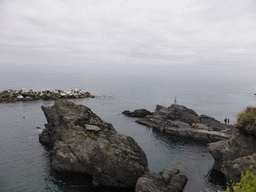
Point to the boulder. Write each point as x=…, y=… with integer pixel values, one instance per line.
x=168, y=180
x=92, y=128
x=20, y=97
x=137, y=113
x=82, y=142
x=214, y=124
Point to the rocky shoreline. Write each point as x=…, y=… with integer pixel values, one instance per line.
x=29, y=95
x=233, y=149
x=176, y=120
x=80, y=141
x=235, y=155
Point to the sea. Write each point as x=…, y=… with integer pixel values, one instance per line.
x=25, y=163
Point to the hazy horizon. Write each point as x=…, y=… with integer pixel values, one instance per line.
x=135, y=37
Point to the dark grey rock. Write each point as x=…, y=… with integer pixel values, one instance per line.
x=168, y=180
x=234, y=155
x=176, y=112
x=214, y=124
x=112, y=159
x=233, y=169
x=215, y=150
x=137, y=113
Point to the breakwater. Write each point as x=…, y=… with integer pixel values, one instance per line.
x=29, y=95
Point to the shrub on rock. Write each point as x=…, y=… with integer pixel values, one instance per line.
x=246, y=122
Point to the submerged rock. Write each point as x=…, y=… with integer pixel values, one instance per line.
x=82, y=142
x=168, y=180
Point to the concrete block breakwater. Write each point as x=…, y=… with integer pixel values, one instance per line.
x=29, y=95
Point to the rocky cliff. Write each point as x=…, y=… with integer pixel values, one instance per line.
x=235, y=155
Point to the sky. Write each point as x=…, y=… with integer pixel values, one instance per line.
x=197, y=36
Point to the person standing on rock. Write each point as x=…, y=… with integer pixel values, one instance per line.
x=175, y=101
x=208, y=126
x=225, y=120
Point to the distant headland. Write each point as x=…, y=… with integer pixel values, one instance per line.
x=29, y=95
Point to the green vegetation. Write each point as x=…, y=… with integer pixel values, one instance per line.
x=247, y=183
x=90, y=134
x=111, y=146
x=246, y=122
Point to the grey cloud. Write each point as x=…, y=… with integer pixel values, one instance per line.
x=122, y=33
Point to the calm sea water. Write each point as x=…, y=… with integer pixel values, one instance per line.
x=24, y=162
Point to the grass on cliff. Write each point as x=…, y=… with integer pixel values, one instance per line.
x=246, y=122
x=247, y=183
x=90, y=134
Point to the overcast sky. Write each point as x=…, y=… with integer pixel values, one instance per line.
x=130, y=35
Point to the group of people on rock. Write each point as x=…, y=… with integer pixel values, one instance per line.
x=226, y=120
x=193, y=125
x=165, y=124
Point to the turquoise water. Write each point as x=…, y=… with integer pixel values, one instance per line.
x=24, y=162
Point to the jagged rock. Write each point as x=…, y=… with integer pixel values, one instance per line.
x=168, y=180
x=112, y=159
x=137, y=113
x=214, y=124
x=176, y=112
x=231, y=156
x=233, y=169
x=215, y=150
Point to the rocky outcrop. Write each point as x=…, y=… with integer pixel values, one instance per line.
x=82, y=142
x=233, y=169
x=175, y=112
x=214, y=124
x=234, y=155
x=137, y=113
x=29, y=95
x=168, y=180
x=175, y=120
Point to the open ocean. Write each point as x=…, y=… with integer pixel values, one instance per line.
x=24, y=162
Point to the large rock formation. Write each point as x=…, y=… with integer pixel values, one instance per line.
x=82, y=142
x=175, y=112
x=234, y=155
x=175, y=120
x=168, y=180
x=137, y=113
